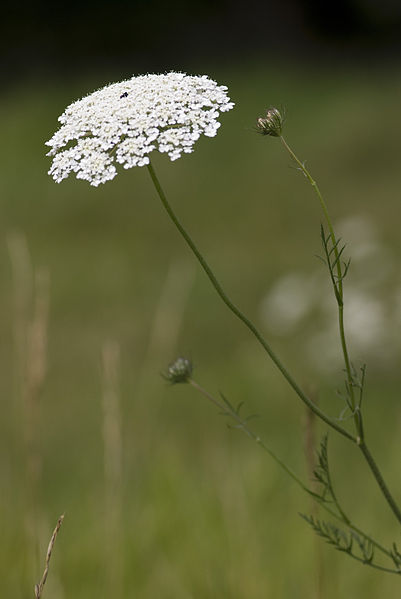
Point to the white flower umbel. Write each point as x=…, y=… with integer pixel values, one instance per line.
x=124, y=122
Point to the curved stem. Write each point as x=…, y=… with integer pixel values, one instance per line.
x=226, y=409
x=339, y=285
x=243, y=426
x=380, y=481
x=233, y=308
x=311, y=405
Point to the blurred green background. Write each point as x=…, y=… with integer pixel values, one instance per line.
x=198, y=511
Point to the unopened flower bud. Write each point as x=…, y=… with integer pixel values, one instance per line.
x=179, y=371
x=271, y=124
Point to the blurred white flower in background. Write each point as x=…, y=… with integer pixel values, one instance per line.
x=123, y=122
x=368, y=329
x=288, y=302
x=372, y=262
x=304, y=302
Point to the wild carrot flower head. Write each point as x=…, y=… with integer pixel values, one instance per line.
x=123, y=122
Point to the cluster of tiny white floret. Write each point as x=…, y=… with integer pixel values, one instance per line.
x=124, y=122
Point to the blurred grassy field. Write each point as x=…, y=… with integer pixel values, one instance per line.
x=204, y=513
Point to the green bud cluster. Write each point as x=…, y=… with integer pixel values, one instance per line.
x=179, y=371
x=271, y=124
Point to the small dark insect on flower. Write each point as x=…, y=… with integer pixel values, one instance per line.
x=124, y=95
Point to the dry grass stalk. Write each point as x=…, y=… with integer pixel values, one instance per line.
x=41, y=584
x=112, y=441
x=165, y=327
x=21, y=269
x=36, y=365
x=31, y=308
x=111, y=414
x=169, y=311
x=310, y=444
x=310, y=454
x=35, y=373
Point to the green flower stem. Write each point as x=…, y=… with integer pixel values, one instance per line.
x=339, y=296
x=226, y=409
x=357, y=418
x=379, y=478
x=311, y=405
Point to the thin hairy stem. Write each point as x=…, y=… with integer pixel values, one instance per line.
x=333, y=494
x=350, y=378
x=339, y=282
x=331, y=422
x=226, y=409
x=375, y=566
x=379, y=479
